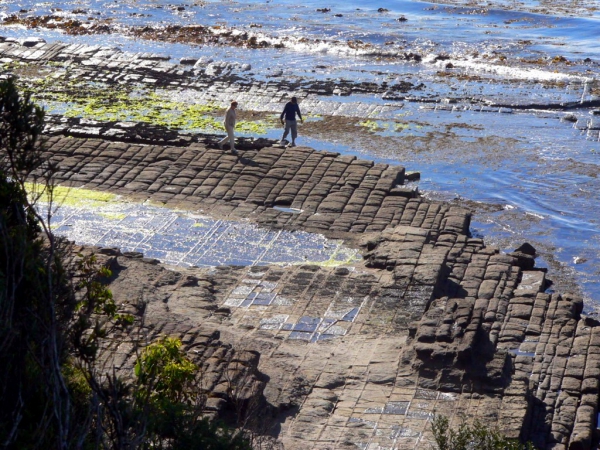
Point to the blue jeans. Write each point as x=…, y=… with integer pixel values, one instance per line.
x=293, y=126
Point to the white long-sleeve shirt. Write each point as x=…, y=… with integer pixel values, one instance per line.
x=230, y=118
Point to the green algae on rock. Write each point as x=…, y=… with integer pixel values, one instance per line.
x=371, y=125
x=342, y=256
x=130, y=103
x=74, y=197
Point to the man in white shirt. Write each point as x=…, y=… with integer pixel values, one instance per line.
x=229, y=124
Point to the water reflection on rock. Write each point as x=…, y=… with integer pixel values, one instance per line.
x=185, y=238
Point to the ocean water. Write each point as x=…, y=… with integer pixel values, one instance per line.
x=507, y=121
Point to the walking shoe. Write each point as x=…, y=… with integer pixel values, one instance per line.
x=234, y=151
x=220, y=146
x=292, y=144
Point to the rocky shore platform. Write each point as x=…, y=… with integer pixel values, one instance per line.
x=432, y=321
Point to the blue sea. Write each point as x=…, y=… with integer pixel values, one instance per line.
x=513, y=131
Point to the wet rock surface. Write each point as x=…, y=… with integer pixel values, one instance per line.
x=220, y=81
x=433, y=322
x=334, y=194
x=111, y=65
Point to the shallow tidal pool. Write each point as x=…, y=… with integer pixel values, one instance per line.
x=184, y=238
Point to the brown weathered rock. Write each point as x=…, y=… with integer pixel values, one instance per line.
x=433, y=321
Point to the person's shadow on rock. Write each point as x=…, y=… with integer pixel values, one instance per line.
x=246, y=161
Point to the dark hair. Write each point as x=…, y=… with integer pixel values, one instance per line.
x=294, y=100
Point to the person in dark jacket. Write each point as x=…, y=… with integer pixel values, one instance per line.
x=289, y=112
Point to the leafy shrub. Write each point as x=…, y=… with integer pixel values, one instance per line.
x=52, y=395
x=472, y=437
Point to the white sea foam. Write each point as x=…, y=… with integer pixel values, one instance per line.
x=424, y=48
x=538, y=216
x=511, y=72
x=312, y=45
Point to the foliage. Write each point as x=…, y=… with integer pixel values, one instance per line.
x=54, y=318
x=33, y=293
x=169, y=389
x=472, y=437
x=165, y=372
x=94, y=309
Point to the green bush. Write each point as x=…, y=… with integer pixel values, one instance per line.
x=472, y=437
x=167, y=385
x=52, y=327
x=34, y=294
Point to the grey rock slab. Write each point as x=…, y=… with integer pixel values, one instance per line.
x=532, y=282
